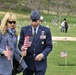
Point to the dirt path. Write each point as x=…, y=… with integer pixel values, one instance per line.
x=64, y=38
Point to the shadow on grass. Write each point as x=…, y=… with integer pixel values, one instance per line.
x=67, y=64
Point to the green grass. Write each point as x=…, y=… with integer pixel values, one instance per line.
x=56, y=63
x=49, y=17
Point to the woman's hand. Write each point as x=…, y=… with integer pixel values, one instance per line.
x=5, y=53
x=8, y=54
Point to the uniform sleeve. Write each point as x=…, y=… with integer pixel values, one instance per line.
x=48, y=45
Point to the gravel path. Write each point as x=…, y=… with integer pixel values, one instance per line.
x=64, y=38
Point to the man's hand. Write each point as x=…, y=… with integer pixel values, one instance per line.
x=27, y=44
x=24, y=48
x=23, y=53
x=39, y=57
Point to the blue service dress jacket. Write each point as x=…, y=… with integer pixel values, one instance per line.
x=6, y=66
x=42, y=43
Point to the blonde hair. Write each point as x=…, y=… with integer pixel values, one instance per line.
x=6, y=18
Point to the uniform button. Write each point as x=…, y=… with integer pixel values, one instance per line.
x=34, y=48
x=34, y=43
x=34, y=54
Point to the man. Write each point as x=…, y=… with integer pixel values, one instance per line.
x=37, y=52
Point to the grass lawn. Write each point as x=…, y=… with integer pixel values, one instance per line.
x=56, y=64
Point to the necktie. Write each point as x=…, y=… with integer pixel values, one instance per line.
x=34, y=31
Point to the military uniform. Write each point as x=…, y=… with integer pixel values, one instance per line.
x=41, y=44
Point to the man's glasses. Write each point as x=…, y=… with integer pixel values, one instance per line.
x=14, y=22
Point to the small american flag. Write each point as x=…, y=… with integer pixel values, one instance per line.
x=64, y=54
x=26, y=39
x=27, y=43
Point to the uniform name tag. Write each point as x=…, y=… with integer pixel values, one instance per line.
x=42, y=36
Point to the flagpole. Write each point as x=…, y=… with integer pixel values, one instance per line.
x=12, y=63
x=21, y=59
x=66, y=61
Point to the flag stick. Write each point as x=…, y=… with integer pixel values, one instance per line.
x=12, y=63
x=21, y=59
x=65, y=60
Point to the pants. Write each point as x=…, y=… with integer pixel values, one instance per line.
x=66, y=29
x=30, y=72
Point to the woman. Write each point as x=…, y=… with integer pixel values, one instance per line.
x=8, y=36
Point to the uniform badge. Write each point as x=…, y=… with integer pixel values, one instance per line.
x=42, y=36
x=42, y=42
